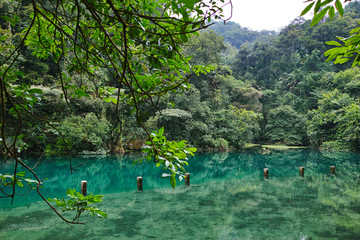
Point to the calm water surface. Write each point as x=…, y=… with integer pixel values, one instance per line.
x=228, y=199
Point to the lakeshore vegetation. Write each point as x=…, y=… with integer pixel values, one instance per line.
x=171, y=77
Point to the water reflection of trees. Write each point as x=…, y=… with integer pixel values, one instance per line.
x=228, y=196
x=117, y=173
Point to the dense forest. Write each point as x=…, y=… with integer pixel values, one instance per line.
x=263, y=87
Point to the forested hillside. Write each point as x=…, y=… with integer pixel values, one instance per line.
x=264, y=87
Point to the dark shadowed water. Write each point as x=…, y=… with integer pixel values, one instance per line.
x=228, y=199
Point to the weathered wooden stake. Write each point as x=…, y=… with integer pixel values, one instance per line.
x=187, y=179
x=83, y=187
x=301, y=171
x=266, y=173
x=139, y=184
x=332, y=169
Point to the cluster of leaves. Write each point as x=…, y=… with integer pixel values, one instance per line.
x=170, y=155
x=80, y=204
x=321, y=8
x=27, y=96
x=348, y=49
x=10, y=180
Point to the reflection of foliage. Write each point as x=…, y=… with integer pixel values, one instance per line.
x=80, y=204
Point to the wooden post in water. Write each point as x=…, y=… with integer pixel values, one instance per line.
x=332, y=169
x=266, y=173
x=139, y=184
x=301, y=171
x=187, y=179
x=83, y=187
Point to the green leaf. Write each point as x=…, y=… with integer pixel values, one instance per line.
x=70, y=192
x=333, y=43
x=355, y=30
x=8, y=19
x=307, y=9
x=110, y=99
x=326, y=2
x=35, y=91
x=184, y=37
x=189, y=3
x=317, y=7
x=30, y=180
x=20, y=174
x=80, y=93
x=191, y=149
x=339, y=7
x=354, y=64
x=19, y=73
x=15, y=19
x=332, y=53
x=341, y=60
x=161, y=131
x=319, y=16
x=173, y=180
x=180, y=155
x=20, y=184
x=3, y=38
x=332, y=12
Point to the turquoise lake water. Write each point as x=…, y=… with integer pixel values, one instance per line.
x=228, y=198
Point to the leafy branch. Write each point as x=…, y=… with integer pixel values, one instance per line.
x=80, y=204
x=170, y=155
x=349, y=48
x=10, y=180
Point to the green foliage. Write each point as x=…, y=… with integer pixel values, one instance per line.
x=321, y=8
x=337, y=146
x=343, y=78
x=27, y=95
x=175, y=121
x=259, y=60
x=238, y=126
x=285, y=126
x=141, y=70
x=87, y=132
x=349, y=124
x=221, y=144
x=207, y=46
x=325, y=121
x=170, y=155
x=236, y=35
x=9, y=180
x=346, y=51
x=80, y=204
